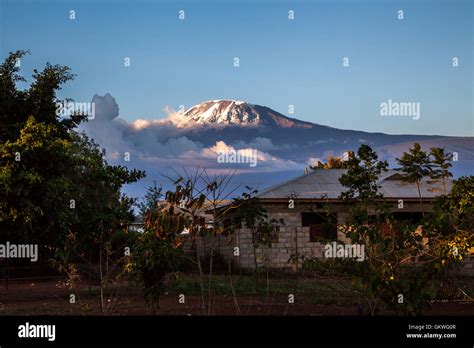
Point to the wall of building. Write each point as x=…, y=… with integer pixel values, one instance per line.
x=294, y=239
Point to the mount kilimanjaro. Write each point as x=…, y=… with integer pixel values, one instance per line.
x=239, y=122
x=235, y=112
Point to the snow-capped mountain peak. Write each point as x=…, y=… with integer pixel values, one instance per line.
x=223, y=112
x=236, y=112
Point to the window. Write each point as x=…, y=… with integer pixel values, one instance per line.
x=322, y=232
x=228, y=226
x=402, y=219
x=322, y=226
x=408, y=217
x=387, y=230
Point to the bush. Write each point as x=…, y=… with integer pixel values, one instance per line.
x=152, y=259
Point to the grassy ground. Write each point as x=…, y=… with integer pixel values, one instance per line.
x=313, y=294
x=338, y=291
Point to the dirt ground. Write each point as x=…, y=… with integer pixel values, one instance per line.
x=48, y=298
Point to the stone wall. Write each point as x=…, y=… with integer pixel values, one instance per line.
x=293, y=240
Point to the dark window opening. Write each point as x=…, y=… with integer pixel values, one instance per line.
x=401, y=220
x=388, y=230
x=322, y=226
x=228, y=226
x=408, y=217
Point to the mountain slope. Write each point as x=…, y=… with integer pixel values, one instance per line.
x=243, y=124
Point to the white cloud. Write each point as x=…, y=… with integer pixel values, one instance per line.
x=312, y=161
x=159, y=145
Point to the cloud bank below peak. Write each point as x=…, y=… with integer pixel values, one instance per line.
x=165, y=143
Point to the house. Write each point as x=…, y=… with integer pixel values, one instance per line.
x=311, y=210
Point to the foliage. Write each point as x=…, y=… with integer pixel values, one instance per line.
x=440, y=165
x=397, y=270
x=402, y=270
x=152, y=259
x=39, y=100
x=455, y=211
x=158, y=250
x=53, y=180
x=250, y=212
x=56, y=189
x=249, y=209
x=415, y=165
x=34, y=203
x=363, y=171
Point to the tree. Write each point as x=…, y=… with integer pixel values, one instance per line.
x=54, y=182
x=402, y=270
x=454, y=212
x=33, y=195
x=250, y=212
x=415, y=165
x=199, y=194
x=158, y=250
x=39, y=100
x=217, y=192
x=440, y=165
x=452, y=226
x=362, y=174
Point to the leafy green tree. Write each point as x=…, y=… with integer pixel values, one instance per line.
x=362, y=174
x=33, y=196
x=38, y=100
x=53, y=181
x=157, y=251
x=97, y=193
x=415, y=165
x=451, y=229
x=441, y=164
x=454, y=211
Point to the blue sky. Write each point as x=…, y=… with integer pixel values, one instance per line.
x=282, y=62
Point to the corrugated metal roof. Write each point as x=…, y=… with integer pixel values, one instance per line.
x=324, y=183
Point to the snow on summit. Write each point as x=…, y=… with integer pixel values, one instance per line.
x=224, y=112
x=237, y=112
